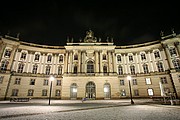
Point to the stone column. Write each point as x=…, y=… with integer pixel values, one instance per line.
x=66, y=62
x=83, y=61
x=13, y=53
x=79, y=61
x=97, y=61
x=70, y=61
x=100, y=62
x=109, y=61
x=2, y=48
x=114, y=62
x=168, y=56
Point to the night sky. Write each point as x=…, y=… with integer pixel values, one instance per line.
x=51, y=22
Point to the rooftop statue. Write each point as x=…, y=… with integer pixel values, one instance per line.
x=90, y=37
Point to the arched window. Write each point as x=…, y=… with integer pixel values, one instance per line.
x=61, y=58
x=104, y=69
x=104, y=56
x=4, y=65
x=23, y=55
x=75, y=57
x=36, y=57
x=160, y=67
x=75, y=69
x=20, y=68
x=60, y=70
x=118, y=58
x=132, y=69
x=7, y=53
x=90, y=67
x=48, y=68
x=156, y=54
x=145, y=67
x=49, y=57
x=120, y=70
x=34, y=71
x=176, y=64
x=143, y=56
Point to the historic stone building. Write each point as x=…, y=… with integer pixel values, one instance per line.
x=89, y=68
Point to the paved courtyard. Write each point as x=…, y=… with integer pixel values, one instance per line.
x=38, y=109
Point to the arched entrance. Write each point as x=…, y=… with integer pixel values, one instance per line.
x=107, y=91
x=73, y=91
x=90, y=90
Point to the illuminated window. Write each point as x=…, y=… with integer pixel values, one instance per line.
x=123, y=92
x=150, y=91
x=148, y=81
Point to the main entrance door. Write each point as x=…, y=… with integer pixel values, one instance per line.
x=90, y=90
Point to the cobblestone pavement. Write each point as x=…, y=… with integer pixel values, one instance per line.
x=39, y=109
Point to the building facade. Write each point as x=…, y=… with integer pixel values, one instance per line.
x=90, y=68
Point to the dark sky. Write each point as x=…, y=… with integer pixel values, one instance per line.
x=51, y=22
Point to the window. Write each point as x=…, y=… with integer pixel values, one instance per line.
x=30, y=92
x=4, y=65
x=48, y=68
x=136, y=92
x=121, y=82
x=104, y=57
x=132, y=69
x=145, y=67
x=156, y=54
x=34, y=71
x=150, y=91
x=20, y=68
x=49, y=57
x=75, y=57
x=123, y=92
x=32, y=82
x=58, y=93
x=23, y=55
x=163, y=80
x=120, y=70
x=44, y=92
x=17, y=81
x=7, y=53
x=176, y=64
x=15, y=92
x=160, y=67
x=37, y=56
x=148, y=81
x=60, y=70
x=46, y=81
x=58, y=83
x=90, y=67
x=166, y=90
x=134, y=81
x=131, y=58
x=75, y=69
x=118, y=58
x=104, y=69
x=61, y=58
x=1, y=79
x=172, y=51
x=143, y=56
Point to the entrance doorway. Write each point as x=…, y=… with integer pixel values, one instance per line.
x=73, y=91
x=90, y=90
x=107, y=91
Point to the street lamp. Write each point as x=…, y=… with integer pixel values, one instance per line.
x=51, y=79
x=129, y=79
